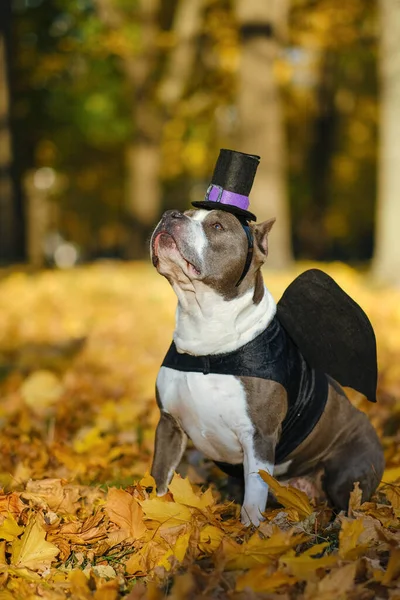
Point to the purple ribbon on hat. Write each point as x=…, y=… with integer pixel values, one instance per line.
x=215, y=193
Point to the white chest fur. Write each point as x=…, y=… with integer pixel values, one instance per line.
x=211, y=409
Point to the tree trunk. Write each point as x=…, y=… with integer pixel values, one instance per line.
x=262, y=27
x=142, y=189
x=386, y=264
x=186, y=28
x=11, y=213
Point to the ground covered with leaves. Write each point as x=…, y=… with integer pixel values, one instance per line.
x=79, y=518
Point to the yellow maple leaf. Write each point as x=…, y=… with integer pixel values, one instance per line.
x=32, y=550
x=10, y=529
x=392, y=493
x=304, y=566
x=258, y=580
x=349, y=546
x=391, y=475
x=183, y=493
x=171, y=513
x=289, y=496
x=148, y=481
x=258, y=551
x=210, y=538
x=178, y=552
x=123, y=510
x=79, y=584
x=148, y=557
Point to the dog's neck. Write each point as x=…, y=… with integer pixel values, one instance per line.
x=208, y=324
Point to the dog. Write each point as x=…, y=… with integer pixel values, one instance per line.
x=237, y=421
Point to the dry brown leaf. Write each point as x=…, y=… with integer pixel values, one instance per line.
x=355, y=499
x=11, y=504
x=123, y=510
x=58, y=495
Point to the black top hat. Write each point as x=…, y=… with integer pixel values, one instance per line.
x=231, y=183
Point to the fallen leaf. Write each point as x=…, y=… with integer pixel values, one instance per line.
x=10, y=529
x=210, y=538
x=304, y=567
x=11, y=503
x=32, y=550
x=183, y=493
x=392, y=493
x=170, y=513
x=355, y=499
x=257, y=550
x=177, y=552
x=349, y=547
x=391, y=475
x=123, y=510
x=257, y=580
x=393, y=568
x=339, y=581
x=79, y=584
x=288, y=496
x=58, y=496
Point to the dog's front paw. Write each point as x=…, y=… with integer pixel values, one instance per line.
x=250, y=515
x=162, y=490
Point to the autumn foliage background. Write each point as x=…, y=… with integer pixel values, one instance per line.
x=105, y=123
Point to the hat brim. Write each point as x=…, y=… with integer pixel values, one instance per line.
x=231, y=208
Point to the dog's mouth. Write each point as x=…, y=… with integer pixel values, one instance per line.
x=168, y=241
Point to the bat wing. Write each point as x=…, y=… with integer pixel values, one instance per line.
x=331, y=331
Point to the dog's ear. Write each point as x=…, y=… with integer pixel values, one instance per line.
x=261, y=231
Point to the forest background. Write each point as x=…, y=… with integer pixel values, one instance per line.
x=114, y=111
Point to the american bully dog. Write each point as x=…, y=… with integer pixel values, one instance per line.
x=236, y=383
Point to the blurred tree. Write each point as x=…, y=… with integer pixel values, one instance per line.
x=387, y=256
x=12, y=234
x=140, y=65
x=263, y=28
x=330, y=83
x=95, y=79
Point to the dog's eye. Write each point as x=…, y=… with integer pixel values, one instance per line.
x=218, y=226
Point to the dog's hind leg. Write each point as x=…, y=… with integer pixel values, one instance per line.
x=361, y=460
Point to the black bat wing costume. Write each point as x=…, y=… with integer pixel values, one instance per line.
x=318, y=332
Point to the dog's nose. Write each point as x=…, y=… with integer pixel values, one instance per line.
x=173, y=214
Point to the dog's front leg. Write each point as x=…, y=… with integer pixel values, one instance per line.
x=258, y=454
x=169, y=446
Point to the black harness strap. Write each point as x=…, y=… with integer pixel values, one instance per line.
x=271, y=356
